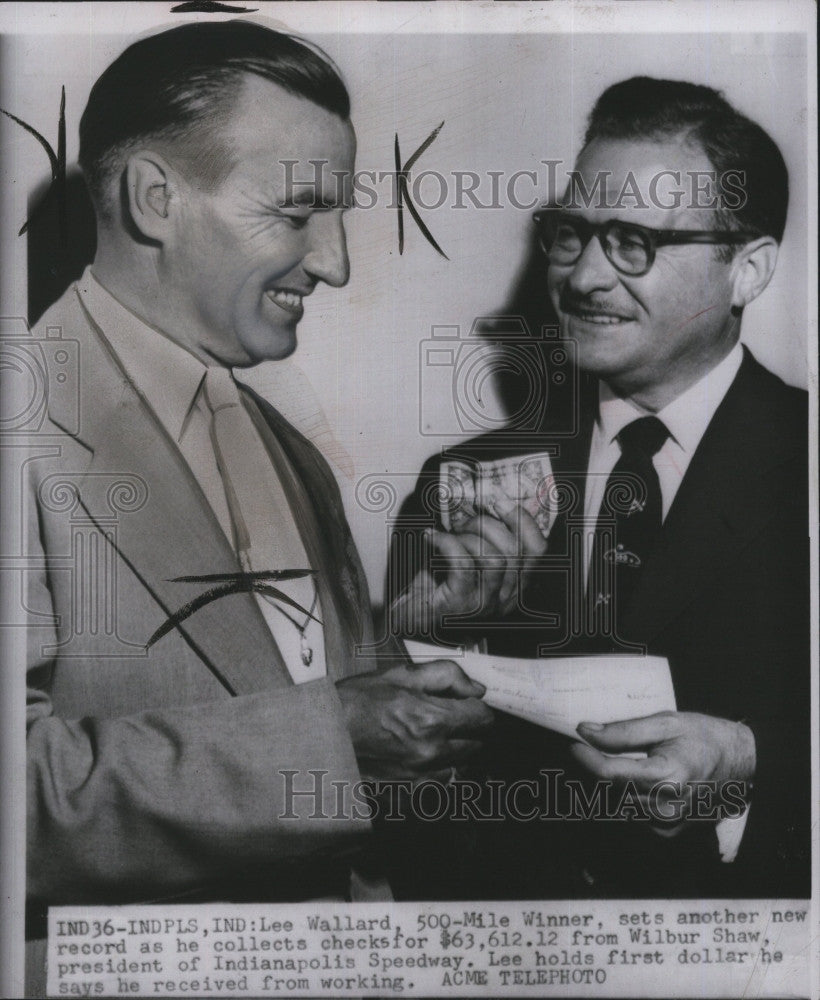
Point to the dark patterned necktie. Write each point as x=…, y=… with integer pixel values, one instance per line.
x=627, y=527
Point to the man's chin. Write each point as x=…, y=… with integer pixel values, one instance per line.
x=270, y=345
x=266, y=358
x=601, y=348
x=608, y=365
x=282, y=355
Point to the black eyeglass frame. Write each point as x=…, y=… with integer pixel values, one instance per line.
x=651, y=238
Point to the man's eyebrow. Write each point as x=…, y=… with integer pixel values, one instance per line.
x=303, y=197
x=310, y=199
x=307, y=196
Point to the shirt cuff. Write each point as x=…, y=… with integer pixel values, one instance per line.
x=729, y=834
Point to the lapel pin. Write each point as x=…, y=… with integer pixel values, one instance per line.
x=622, y=557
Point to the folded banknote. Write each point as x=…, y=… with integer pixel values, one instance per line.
x=468, y=489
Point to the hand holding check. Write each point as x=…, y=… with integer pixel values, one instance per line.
x=682, y=748
x=413, y=722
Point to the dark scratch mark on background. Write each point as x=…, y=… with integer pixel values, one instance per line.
x=210, y=7
x=57, y=163
x=403, y=191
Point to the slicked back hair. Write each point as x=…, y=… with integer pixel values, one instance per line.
x=646, y=108
x=180, y=86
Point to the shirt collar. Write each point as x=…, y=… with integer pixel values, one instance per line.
x=165, y=373
x=686, y=417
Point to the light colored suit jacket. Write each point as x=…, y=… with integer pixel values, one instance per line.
x=155, y=774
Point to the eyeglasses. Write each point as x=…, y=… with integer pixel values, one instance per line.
x=628, y=247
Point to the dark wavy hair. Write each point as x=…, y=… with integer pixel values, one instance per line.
x=645, y=108
x=180, y=87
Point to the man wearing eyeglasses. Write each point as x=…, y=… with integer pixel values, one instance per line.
x=688, y=539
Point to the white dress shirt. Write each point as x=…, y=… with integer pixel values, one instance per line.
x=171, y=382
x=686, y=418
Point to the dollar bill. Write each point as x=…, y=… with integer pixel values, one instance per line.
x=525, y=479
x=466, y=490
x=457, y=493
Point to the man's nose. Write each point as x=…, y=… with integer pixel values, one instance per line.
x=327, y=258
x=592, y=271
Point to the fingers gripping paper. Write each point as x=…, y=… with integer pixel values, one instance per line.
x=560, y=692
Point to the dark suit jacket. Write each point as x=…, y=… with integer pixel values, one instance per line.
x=725, y=597
x=154, y=773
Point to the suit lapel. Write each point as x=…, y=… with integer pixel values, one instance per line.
x=569, y=467
x=164, y=526
x=312, y=496
x=728, y=495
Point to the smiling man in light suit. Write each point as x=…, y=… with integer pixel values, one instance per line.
x=163, y=738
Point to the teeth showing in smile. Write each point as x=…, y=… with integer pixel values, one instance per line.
x=287, y=300
x=600, y=319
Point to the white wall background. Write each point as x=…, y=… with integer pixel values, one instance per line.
x=508, y=99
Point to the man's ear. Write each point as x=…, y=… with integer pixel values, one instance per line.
x=150, y=193
x=753, y=266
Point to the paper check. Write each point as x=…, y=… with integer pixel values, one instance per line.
x=560, y=692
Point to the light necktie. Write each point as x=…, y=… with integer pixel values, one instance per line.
x=265, y=534
x=625, y=536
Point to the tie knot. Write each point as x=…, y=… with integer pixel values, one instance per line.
x=646, y=434
x=220, y=389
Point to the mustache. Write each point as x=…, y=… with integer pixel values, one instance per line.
x=572, y=303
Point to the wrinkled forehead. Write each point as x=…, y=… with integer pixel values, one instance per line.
x=653, y=182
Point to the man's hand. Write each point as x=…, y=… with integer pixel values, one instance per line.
x=484, y=561
x=412, y=722
x=681, y=747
